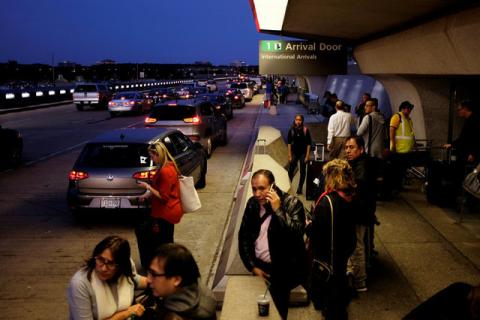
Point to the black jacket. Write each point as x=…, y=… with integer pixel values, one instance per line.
x=285, y=238
x=344, y=239
x=468, y=143
x=365, y=197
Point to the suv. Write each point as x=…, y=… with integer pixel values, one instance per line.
x=244, y=87
x=91, y=94
x=105, y=173
x=198, y=120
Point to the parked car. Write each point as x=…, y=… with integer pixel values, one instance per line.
x=11, y=142
x=211, y=85
x=246, y=90
x=131, y=101
x=106, y=171
x=220, y=103
x=161, y=94
x=91, y=94
x=196, y=119
x=235, y=96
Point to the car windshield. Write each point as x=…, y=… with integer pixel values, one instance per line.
x=86, y=88
x=173, y=112
x=112, y=155
x=242, y=85
x=123, y=96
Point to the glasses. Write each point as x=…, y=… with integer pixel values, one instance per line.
x=101, y=261
x=154, y=274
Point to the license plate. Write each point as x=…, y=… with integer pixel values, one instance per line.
x=110, y=203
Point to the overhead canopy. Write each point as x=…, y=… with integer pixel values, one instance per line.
x=383, y=34
x=356, y=21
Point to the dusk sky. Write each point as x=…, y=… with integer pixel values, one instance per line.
x=156, y=31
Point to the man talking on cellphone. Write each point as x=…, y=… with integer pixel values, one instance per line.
x=270, y=238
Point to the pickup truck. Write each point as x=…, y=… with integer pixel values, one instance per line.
x=91, y=94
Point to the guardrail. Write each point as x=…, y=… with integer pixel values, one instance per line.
x=26, y=97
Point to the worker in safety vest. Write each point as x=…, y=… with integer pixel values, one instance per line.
x=402, y=141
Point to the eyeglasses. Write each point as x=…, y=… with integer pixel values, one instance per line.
x=154, y=274
x=101, y=261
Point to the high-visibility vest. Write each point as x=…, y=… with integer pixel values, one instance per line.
x=404, y=135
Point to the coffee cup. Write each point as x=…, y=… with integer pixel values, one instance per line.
x=263, y=302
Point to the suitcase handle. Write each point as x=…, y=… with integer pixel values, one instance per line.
x=319, y=152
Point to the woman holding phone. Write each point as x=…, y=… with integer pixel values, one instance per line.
x=164, y=193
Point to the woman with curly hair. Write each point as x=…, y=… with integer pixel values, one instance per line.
x=333, y=240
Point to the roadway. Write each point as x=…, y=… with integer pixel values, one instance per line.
x=41, y=246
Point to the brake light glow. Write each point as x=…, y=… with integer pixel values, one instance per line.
x=77, y=175
x=144, y=174
x=150, y=120
x=131, y=102
x=194, y=120
x=111, y=103
x=236, y=98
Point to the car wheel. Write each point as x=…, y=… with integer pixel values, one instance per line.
x=79, y=107
x=224, y=137
x=113, y=114
x=209, y=147
x=16, y=156
x=202, y=182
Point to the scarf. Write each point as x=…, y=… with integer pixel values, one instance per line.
x=106, y=304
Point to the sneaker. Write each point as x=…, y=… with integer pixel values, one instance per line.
x=361, y=288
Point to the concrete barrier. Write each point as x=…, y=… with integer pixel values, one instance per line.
x=240, y=299
x=270, y=141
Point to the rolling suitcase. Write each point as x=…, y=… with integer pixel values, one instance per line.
x=314, y=181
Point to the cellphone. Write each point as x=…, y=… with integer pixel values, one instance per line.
x=271, y=187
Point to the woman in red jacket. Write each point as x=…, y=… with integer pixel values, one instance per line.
x=164, y=192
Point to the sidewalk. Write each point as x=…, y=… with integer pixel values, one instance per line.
x=422, y=248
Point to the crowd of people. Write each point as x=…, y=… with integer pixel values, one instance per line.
x=326, y=250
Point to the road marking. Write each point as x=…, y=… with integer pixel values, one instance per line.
x=53, y=154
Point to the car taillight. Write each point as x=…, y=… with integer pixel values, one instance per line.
x=150, y=120
x=164, y=95
x=131, y=102
x=236, y=98
x=144, y=175
x=194, y=120
x=111, y=103
x=77, y=175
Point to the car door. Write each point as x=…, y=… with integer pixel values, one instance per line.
x=179, y=150
x=207, y=116
x=192, y=154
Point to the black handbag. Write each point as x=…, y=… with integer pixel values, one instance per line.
x=322, y=271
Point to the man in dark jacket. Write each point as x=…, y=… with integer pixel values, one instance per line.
x=270, y=238
x=467, y=144
x=365, y=203
x=175, y=282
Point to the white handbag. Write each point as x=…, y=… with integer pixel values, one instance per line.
x=188, y=195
